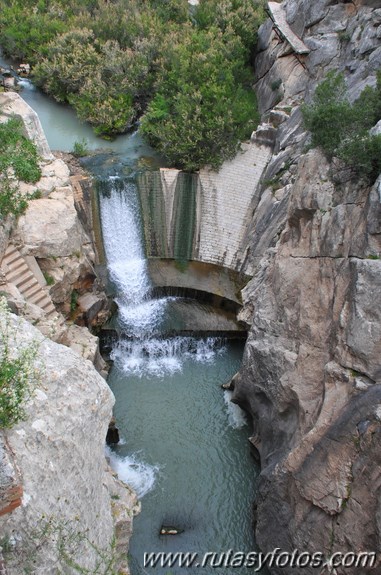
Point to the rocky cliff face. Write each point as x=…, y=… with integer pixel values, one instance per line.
x=72, y=508
x=53, y=247
x=61, y=508
x=311, y=371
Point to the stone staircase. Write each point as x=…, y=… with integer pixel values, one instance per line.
x=18, y=273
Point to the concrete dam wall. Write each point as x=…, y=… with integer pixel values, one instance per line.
x=203, y=217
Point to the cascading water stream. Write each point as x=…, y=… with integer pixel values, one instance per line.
x=139, y=314
x=184, y=442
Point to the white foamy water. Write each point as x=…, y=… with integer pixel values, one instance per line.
x=122, y=241
x=126, y=261
x=139, y=475
x=236, y=415
x=26, y=84
x=140, y=316
x=157, y=357
x=143, y=317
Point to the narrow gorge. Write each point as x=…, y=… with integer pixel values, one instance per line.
x=264, y=275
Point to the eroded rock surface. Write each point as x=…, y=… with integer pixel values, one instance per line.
x=70, y=495
x=56, y=245
x=311, y=373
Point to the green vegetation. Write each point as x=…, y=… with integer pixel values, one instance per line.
x=80, y=149
x=185, y=72
x=18, y=159
x=49, y=279
x=274, y=183
x=73, y=300
x=204, y=105
x=341, y=129
x=276, y=84
x=344, y=36
x=11, y=200
x=17, y=152
x=18, y=373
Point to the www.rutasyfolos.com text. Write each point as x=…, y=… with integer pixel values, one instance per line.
x=256, y=560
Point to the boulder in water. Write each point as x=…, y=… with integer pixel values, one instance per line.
x=229, y=385
x=23, y=70
x=112, y=436
x=170, y=530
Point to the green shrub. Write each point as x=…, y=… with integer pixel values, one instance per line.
x=344, y=36
x=204, y=105
x=73, y=300
x=25, y=31
x=341, y=129
x=49, y=279
x=19, y=154
x=18, y=373
x=80, y=149
x=242, y=17
x=276, y=84
x=116, y=62
x=11, y=200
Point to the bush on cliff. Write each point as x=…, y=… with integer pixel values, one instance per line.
x=110, y=61
x=18, y=372
x=18, y=161
x=341, y=129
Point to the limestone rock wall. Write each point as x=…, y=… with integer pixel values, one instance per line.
x=311, y=369
x=60, y=504
x=58, y=249
x=72, y=506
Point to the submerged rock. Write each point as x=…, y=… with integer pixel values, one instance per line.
x=170, y=530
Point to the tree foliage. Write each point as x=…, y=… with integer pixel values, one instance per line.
x=202, y=107
x=185, y=71
x=342, y=128
x=241, y=17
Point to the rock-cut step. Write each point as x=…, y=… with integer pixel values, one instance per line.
x=18, y=273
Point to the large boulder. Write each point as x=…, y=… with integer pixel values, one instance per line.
x=72, y=507
x=50, y=228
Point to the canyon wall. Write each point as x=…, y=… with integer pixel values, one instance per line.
x=72, y=510
x=311, y=369
x=61, y=507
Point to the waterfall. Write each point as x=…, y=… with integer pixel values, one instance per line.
x=139, y=314
x=155, y=356
x=144, y=352
x=140, y=351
